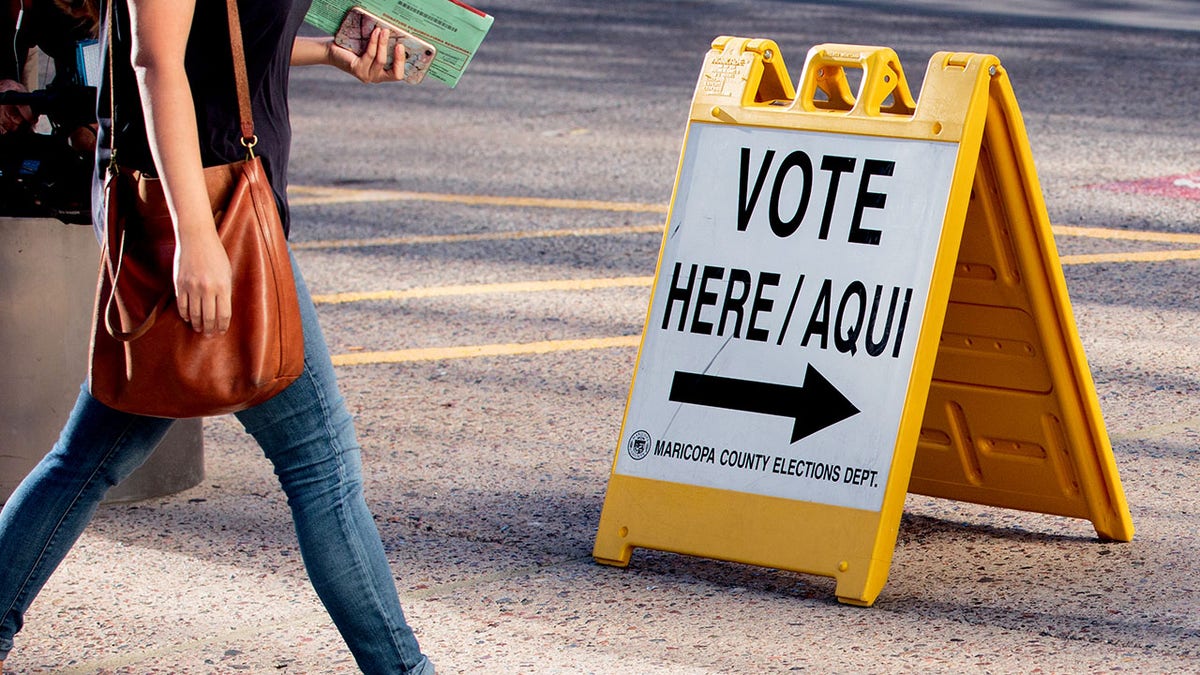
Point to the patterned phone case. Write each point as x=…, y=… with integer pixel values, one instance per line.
x=355, y=34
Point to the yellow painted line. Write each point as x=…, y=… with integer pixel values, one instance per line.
x=550, y=285
x=419, y=239
x=1130, y=256
x=416, y=239
x=307, y=195
x=486, y=289
x=474, y=351
x=1126, y=235
x=310, y=196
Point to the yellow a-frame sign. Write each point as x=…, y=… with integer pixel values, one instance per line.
x=858, y=295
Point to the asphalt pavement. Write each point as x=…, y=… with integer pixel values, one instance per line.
x=482, y=258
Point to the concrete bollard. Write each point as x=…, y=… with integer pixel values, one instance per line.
x=47, y=288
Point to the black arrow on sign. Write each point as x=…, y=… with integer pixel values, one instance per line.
x=814, y=405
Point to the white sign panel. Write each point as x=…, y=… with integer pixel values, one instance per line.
x=782, y=331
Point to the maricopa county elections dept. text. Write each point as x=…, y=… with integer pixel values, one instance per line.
x=752, y=461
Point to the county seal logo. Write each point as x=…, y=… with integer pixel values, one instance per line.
x=639, y=445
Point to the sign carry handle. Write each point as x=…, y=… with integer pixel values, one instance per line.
x=882, y=81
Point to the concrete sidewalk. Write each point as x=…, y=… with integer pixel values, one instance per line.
x=488, y=521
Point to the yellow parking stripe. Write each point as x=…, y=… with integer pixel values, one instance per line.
x=416, y=239
x=485, y=289
x=1126, y=235
x=474, y=351
x=1130, y=256
x=1066, y=231
x=310, y=196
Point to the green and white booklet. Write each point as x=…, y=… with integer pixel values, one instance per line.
x=454, y=28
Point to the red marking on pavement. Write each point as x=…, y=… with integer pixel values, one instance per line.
x=1183, y=186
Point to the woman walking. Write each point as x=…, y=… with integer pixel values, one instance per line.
x=176, y=111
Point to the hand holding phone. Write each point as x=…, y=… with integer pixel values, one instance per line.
x=355, y=34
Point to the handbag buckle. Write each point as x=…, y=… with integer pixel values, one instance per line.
x=249, y=144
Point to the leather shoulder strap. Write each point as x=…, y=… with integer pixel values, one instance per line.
x=239, y=74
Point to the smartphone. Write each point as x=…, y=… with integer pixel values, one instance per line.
x=355, y=34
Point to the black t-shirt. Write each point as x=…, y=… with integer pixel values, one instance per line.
x=268, y=30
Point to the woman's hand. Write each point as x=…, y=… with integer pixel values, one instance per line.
x=203, y=283
x=369, y=67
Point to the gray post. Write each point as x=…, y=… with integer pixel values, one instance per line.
x=47, y=289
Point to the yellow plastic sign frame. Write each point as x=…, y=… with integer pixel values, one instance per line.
x=1000, y=407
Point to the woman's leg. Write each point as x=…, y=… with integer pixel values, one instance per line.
x=44, y=517
x=308, y=435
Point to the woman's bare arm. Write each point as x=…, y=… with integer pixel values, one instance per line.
x=203, y=283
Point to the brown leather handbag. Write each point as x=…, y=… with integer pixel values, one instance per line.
x=145, y=359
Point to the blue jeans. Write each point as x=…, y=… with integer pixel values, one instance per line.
x=308, y=435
